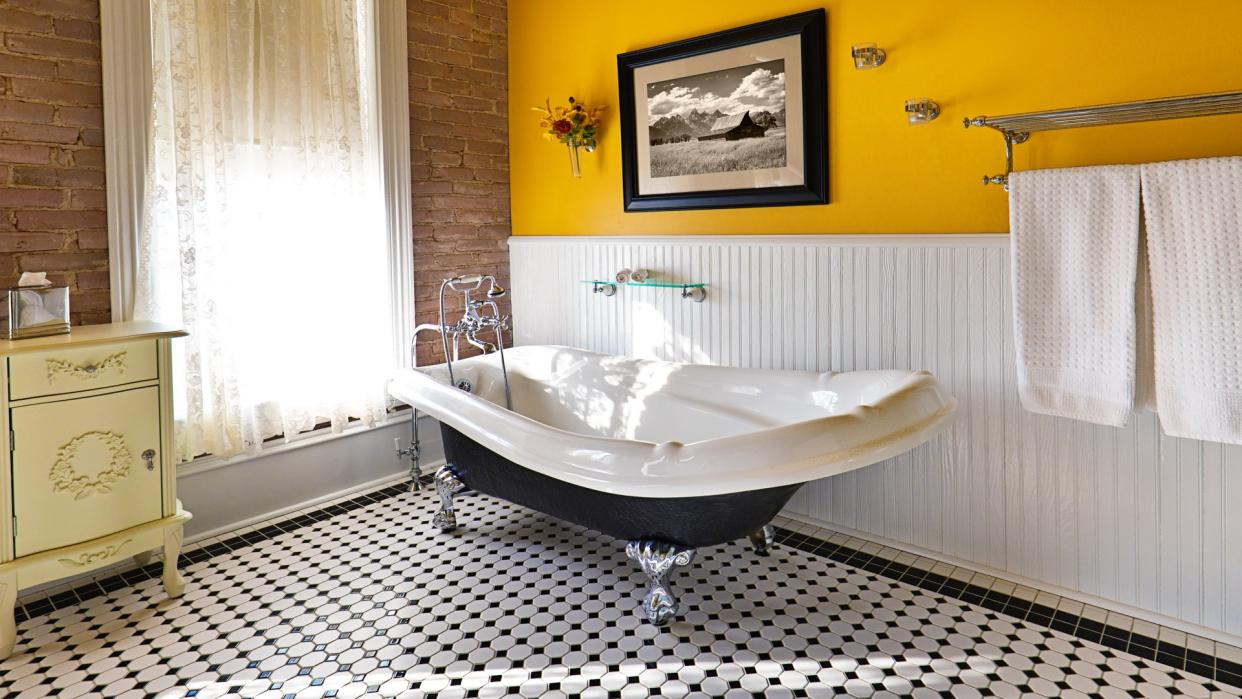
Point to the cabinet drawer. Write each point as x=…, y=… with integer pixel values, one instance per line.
x=80, y=369
x=79, y=471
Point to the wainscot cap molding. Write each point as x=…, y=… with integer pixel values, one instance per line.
x=869, y=240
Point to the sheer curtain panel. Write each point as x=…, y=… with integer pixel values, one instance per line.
x=264, y=231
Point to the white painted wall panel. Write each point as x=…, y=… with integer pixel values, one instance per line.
x=1123, y=514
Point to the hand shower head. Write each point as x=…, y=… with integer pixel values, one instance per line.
x=496, y=291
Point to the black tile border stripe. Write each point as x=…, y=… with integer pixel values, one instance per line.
x=1178, y=657
x=151, y=571
x=1175, y=656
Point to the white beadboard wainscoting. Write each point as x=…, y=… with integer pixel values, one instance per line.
x=1130, y=516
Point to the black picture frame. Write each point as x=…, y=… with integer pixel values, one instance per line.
x=811, y=28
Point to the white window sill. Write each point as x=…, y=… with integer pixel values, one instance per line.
x=203, y=464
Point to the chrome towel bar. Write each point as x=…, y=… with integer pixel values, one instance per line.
x=1017, y=128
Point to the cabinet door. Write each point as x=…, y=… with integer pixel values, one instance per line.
x=79, y=471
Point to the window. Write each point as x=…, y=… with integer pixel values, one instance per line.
x=266, y=226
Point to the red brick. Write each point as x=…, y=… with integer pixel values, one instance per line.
x=64, y=262
x=87, y=199
x=38, y=133
x=87, y=9
x=77, y=29
x=481, y=244
x=29, y=67
x=53, y=47
x=59, y=92
x=88, y=157
x=92, y=280
x=24, y=153
x=18, y=21
x=444, y=158
x=56, y=177
x=13, y=197
x=90, y=73
x=93, y=239
x=90, y=300
x=80, y=116
x=13, y=110
x=60, y=220
x=22, y=242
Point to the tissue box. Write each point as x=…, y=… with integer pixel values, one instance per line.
x=35, y=311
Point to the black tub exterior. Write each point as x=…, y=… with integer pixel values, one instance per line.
x=691, y=522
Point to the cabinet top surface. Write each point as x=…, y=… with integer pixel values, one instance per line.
x=84, y=335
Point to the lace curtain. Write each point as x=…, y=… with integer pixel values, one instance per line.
x=264, y=231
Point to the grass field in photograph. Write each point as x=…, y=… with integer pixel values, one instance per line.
x=698, y=157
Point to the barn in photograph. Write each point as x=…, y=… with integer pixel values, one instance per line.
x=732, y=128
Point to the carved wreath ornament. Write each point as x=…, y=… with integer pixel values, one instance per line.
x=59, y=368
x=90, y=557
x=66, y=479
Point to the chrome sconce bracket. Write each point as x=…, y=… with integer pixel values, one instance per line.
x=922, y=110
x=867, y=56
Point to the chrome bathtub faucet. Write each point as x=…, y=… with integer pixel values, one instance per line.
x=472, y=322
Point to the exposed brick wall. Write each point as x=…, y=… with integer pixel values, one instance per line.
x=52, y=212
x=459, y=150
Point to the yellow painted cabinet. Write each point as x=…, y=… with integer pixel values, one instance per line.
x=86, y=474
x=84, y=468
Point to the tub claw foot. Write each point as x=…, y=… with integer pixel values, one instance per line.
x=658, y=560
x=447, y=485
x=763, y=539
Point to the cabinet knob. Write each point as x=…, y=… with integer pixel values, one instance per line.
x=90, y=368
x=149, y=457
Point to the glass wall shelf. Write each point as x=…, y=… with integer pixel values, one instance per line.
x=695, y=291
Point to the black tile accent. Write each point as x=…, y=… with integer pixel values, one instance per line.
x=1178, y=657
x=129, y=578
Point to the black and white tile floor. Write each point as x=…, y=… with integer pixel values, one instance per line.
x=365, y=598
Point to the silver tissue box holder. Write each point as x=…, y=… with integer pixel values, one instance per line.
x=35, y=311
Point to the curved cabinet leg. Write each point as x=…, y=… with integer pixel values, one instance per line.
x=659, y=560
x=8, y=624
x=174, y=584
x=447, y=485
x=763, y=540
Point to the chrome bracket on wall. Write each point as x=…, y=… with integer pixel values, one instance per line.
x=1011, y=138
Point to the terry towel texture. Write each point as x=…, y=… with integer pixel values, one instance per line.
x=1193, y=215
x=1074, y=241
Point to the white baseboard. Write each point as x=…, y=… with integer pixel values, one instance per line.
x=1079, y=596
x=402, y=476
x=227, y=495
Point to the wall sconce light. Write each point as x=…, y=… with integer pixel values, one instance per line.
x=921, y=110
x=867, y=56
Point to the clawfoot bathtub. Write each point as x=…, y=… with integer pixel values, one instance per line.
x=671, y=457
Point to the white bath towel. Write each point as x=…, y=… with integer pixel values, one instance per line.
x=1074, y=240
x=1193, y=212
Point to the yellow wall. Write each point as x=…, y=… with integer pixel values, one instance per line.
x=884, y=176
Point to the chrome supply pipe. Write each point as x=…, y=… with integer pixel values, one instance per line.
x=469, y=326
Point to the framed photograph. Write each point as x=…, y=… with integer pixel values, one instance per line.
x=732, y=119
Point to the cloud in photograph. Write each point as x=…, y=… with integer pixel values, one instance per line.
x=756, y=87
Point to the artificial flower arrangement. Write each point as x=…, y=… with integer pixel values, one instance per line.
x=576, y=126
